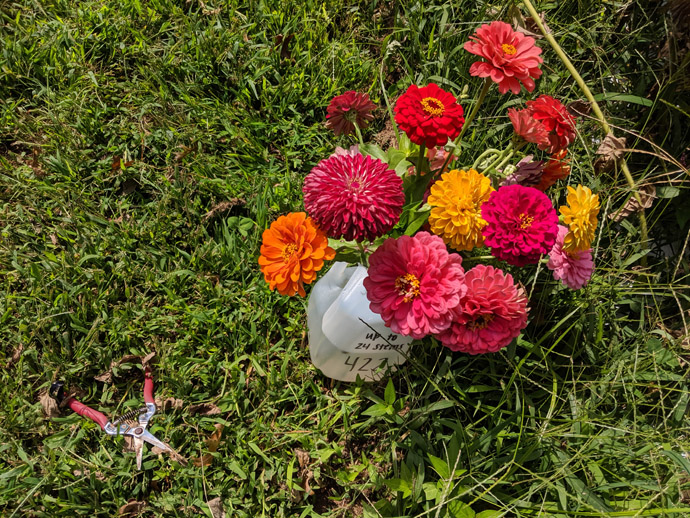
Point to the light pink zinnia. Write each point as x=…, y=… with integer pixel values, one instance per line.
x=573, y=269
x=353, y=196
x=414, y=284
x=490, y=315
x=522, y=224
x=348, y=108
x=511, y=57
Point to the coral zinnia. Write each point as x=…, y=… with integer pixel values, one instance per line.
x=529, y=128
x=456, y=201
x=414, y=283
x=429, y=116
x=348, y=108
x=556, y=169
x=354, y=197
x=510, y=57
x=573, y=269
x=522, y=224
x=581, y=218
x=556, y=119
x=492, y=312
x=293, y=250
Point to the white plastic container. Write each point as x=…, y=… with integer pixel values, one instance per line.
x=346, y=338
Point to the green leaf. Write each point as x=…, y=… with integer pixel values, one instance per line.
x=440, y=466
x=400, y=485
x=457, y=509
x=389, y=394
x=373, y=150
x=490, y=514
x=615, y=96
x=377, y=410
x=676, y=457
x=667, y=191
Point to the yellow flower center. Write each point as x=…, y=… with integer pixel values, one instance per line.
x=509, y=49
x=433, y=106
x=526, y=220
x=289, y=251
x=481, y=323
x=408, y=286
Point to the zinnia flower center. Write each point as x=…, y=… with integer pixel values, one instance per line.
x=408, y=286
x=526, y=220
x=509, y=49
x=481, y=322
x=289, y=251
x=433, y=106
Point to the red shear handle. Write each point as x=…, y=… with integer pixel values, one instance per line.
x=148, y=386
x=85, y=411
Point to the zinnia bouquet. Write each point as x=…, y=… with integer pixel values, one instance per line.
x=420, y=212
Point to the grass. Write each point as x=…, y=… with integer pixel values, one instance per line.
x=144, y=148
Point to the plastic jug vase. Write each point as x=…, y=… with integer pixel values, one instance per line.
x=346, y=338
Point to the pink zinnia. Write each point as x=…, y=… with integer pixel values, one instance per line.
x=573, y=269
x=522, y=224
x=348, y=108
x=510, y=57
x=529, y=128
x=492, y=313
x=556, y=120
x=353, y=196
x=414, y=284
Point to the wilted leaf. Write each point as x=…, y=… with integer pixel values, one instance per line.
x=131, y=509
x=118, y=163
x=49, y=405
x=647, y=195
x=216, y=507
x=170, y=403
x=147, y=359
x=611, y=150
x=88, y=473
x=284, y=43
x=303, y=457
x=222, y=207
x=107, y=377
x=15, y=356
x=184, y=151
x=212, y=444
x=579, y=108
x=527, y=26
x=204, y=409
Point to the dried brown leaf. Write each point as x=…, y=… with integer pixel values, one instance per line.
x=147, y=359
x=216, y=508
x=48, y=404
x=175, y=456
x=15, y=356
x=184, y=151
x=107, y=377
x=647, y=195
x=170, y=403
x=131, y=509
x=579, y=108
x=527, y=25
x=212, y=444
x=222, y=207
x=611, y=150
x=118, y=163
x=128, y=444
x=87, y=473
x=303, y=457
x=204, y=409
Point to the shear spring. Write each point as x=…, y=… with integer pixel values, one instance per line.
x=130, y=415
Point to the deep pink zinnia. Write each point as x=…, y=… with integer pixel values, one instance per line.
x=353, y=196
x=556, y=119
x=348, y=108
x=573, y=269
x=429, y=115
x=492, y=312
x=511, y=57
x=522, y=224
x=414, y=284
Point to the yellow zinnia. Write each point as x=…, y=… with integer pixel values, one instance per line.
x=456, y=201
x=581, y=217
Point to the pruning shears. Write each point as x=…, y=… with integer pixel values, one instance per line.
x=124, y=424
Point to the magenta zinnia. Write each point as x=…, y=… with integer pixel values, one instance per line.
x=573, y=269
x=492, y=312
x=510, y=57
x=429, y=116
x=414, y=283
x=354, y=197
x=522, y=224
x=347, y=109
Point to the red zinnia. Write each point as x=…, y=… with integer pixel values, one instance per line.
x=348, y=108
x=429, y=116
x=529, y=128
x=414, y=283
x=511, y=57
x=556, y=169
x=556, y=119
x=522, y=224
x=492, y=312
x=354, y=197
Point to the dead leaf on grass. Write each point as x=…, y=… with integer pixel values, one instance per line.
x=107, y=377
x=212, y=444
x=88, y=473
x=204, y=409
x=147, y=359
x=303, y=457
x=15, y=356
x=131, y=509
x=579, y=108
x=216, y=507
x=184, y=151
x=48, y=404
x=611, y=151
x=175, y=456
x=647, y=195
x=527, y=25
x=170, y=403
x=118, y=163
x=222, y=207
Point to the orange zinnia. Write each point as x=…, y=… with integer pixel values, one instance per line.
x=293, y=250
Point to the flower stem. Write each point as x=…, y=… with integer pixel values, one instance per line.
x=363, y=254
x=359, y=133
x=486, y=153
x=420, y=158
x=597, y=112
x=468, y=120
